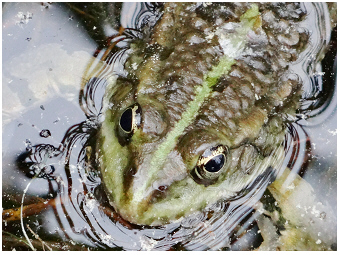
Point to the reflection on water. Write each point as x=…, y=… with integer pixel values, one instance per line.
x=47, y=59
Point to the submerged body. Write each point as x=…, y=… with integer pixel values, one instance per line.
x=201, y=114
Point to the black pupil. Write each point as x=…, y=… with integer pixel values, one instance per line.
x=126, y=120
x=215, y=164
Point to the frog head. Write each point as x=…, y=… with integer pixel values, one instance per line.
x=156, y=171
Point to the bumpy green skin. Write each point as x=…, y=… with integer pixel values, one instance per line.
x=208, y=75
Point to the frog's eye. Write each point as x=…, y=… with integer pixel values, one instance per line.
x=210, y=165
x=130, y=119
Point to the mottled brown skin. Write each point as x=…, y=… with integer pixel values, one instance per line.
x=246, y=110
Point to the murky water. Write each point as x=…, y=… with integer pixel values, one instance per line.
x=49, y=131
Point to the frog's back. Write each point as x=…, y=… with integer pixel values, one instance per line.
x=209, y=77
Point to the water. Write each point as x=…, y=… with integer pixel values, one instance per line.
x=46, y=62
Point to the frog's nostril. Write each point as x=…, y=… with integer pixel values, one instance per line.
x=158, y=193
x=128, y=176
x=162, y=188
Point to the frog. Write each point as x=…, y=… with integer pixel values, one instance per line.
x=201, y=111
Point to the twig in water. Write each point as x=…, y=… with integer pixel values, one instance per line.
x=37, y=237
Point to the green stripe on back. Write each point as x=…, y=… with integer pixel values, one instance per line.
x=203, y=91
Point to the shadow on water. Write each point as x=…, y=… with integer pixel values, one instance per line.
x=67, y=207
